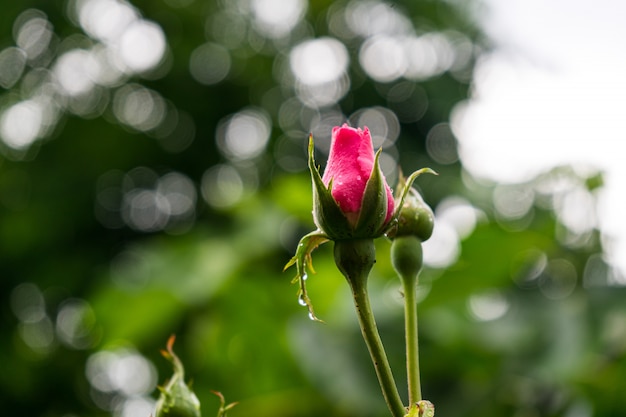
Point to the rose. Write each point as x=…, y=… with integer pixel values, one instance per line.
x=350, y=165
x=352, y=199
x=352, y=205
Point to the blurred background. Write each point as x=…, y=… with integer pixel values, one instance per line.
x=153, y=181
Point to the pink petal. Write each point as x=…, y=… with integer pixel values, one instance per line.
x=349, y=165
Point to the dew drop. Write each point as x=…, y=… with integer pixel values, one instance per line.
x=302, y=301
x=305, y=277
x=312, y=317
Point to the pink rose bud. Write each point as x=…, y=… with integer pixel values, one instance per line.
x=350, y=165
x=352, y=199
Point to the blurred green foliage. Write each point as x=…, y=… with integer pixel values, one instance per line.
x=522, y=318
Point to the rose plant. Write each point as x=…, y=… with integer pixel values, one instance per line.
x=353, y=205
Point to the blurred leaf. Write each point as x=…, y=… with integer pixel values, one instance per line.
x=485, y=262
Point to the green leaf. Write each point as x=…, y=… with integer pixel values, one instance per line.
x=485, y=263
x=328, y=215
x=304, y=264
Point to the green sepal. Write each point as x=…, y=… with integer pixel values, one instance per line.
x=408, y=183
x=374, y=204
x=326, y=212
x=221, y=412
x=304, y=264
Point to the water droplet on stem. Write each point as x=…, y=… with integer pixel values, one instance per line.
x=302, y=301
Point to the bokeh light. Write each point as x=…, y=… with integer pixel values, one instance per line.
x=21, y=123
x=27, y=303
x=33, y=33
x=105, y=20
x=122, y=370
x=319, y=61
x=77, y=80
x=222, y=186
x=75, y=324
x=442, y=248
x=428, y=55
x=455, y=219
x=12, y=63
x=72, y=72
x=145, y=201
x=408, y=101
x=488, y=305
x=320, y=66
x=244, y=135
x=441, y=144
x=370, y=18
x=383, y=58
x=527, y=267
x=513, y=202
x=121, y=380
x=209, y=63
x=558, y=279
x=276, y=18
x=142, y=46
x=139, y=107
x=382, y=123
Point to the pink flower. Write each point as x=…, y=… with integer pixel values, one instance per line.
x=350, y=165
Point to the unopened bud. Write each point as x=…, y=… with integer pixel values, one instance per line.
x=406, y=256
x=415, y=218
x=176, y=399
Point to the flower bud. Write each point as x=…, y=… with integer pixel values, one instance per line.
x=176, y=399
x=407, y=256
x=415, y=218
x=352, y=200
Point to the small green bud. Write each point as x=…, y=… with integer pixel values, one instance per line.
x=415, y=218
x=176, y=399
x=406, y=256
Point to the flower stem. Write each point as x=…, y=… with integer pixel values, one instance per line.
x=406, y=258
x=355, y=259
x=411, y=334
x=376, y=349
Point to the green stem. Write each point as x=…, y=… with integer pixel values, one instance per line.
x=406, y=258
x=375, y=347
x=411, y=334
x=355, y=259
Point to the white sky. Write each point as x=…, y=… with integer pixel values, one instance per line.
x=554, y=92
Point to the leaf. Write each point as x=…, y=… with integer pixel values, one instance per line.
x=304, y=262
x=328, y=216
